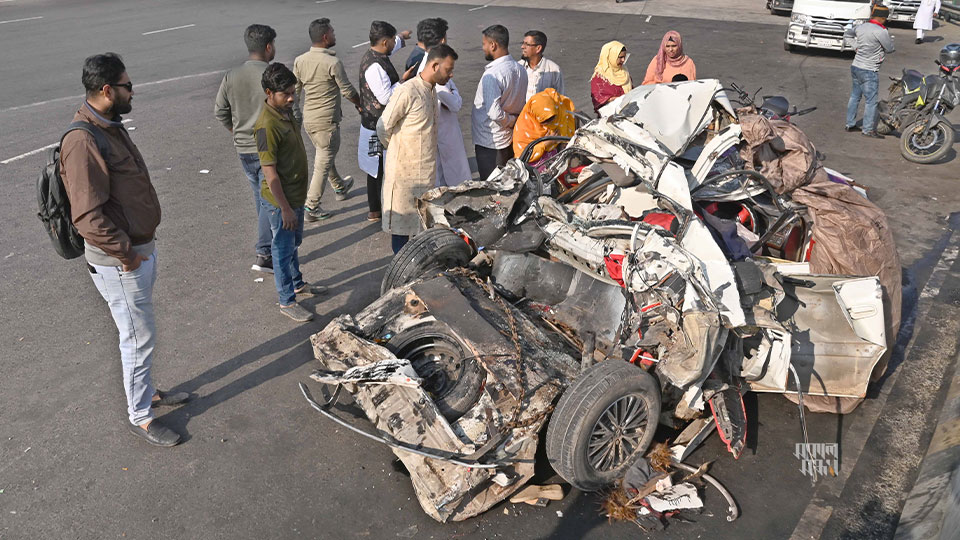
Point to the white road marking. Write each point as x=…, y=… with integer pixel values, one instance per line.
x=325, y=1
x=167, y=29
x=648, y=18
x=478, y=8
x=21, y=20
x=30, y=153
x=150, y=83
x=360, y=44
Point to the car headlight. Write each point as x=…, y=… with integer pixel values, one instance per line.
x=859, y=21
x=799, y=18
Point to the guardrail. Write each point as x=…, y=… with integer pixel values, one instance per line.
x=950, y=13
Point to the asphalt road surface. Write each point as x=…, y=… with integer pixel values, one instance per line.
x=257, y=462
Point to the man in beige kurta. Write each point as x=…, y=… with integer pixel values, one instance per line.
x=408, y=128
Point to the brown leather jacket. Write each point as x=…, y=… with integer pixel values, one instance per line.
x=113, y=204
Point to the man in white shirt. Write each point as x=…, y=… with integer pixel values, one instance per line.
x=500, y=98
x=378, y=79
x=541, y=72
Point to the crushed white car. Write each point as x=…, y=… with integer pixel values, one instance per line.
x=659, y=268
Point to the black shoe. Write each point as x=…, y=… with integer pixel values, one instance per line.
x=264, y=264
x=344, y=192
x=919, y=41
x=850, y=128
x=872, y=134
x=316, y=214
x=168, y=399
x=156, y=434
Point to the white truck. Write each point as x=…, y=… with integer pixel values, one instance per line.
x=821, y=24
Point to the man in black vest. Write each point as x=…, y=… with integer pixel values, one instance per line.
x=378, y=78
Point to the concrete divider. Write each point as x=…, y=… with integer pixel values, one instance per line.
x=932, y=509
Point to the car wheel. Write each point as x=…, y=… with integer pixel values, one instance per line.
x=451, y=375
x=603, y=423
x=788, y=47
x=433, y=250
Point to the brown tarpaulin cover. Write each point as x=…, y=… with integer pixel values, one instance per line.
x=851, y=234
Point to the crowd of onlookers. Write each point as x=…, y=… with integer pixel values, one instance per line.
x=410, y=141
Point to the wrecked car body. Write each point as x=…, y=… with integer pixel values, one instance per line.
x=657, y=269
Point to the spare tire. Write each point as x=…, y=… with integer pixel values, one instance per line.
x=433, y=250
x=451, y=374
x=603, y=423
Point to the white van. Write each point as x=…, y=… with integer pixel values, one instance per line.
x=821, y=23
x=902, y=10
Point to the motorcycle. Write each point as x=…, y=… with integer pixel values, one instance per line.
x=772, y=107
x=925, y=133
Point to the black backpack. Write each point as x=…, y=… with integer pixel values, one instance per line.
x=52, y=197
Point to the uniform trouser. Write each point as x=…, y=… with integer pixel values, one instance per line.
x=326, y=140
x=130, y=298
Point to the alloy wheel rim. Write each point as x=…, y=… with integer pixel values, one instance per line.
x=617, y=433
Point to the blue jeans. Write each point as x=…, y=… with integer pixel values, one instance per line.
x=251, y=167
x=130, y=298
x=286, y=264
x=865, y=84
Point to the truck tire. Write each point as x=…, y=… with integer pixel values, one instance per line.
x=433, y=250
x=451, y=375
x=603, y=423
x=787, y=47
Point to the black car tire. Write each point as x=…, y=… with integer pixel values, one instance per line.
x=606, y=393
x=433, y=250
x=451, y=374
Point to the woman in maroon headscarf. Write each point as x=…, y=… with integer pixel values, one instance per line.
x=670, y=64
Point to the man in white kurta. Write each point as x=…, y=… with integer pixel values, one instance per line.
x=408, y=128
x=453, y=168
x=925, y=13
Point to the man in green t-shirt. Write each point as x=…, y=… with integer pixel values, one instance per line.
x=284, y=189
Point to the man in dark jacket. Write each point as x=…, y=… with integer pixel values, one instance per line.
x=116, y=211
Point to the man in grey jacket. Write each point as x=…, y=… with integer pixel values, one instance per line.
x=873, y=43
x=237, y=107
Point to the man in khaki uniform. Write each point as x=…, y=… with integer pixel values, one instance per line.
x=322, y=79
x=408, y=128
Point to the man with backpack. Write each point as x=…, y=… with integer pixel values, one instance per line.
x=115, y=209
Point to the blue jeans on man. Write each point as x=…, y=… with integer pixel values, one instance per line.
x=865, y=84
x=130, y=298
x=286, y=264
x=251, y=167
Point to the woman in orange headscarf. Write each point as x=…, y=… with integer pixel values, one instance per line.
x=670, y=64
x=546, y=114
x=610, y=79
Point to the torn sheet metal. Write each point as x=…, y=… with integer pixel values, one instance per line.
x=674, y=112
x=393, y=371
x=502, y=427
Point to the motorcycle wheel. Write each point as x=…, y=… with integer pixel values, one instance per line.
x=916, y=147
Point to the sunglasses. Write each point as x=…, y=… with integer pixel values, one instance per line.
x=127, y=85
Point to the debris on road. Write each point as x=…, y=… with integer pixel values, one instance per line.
x=674, y=255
